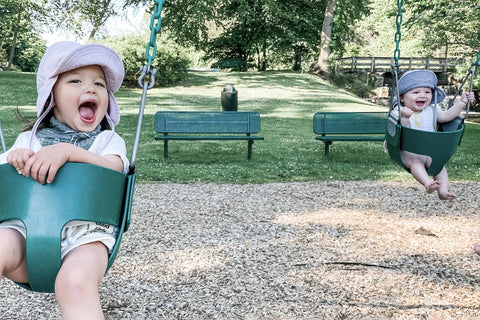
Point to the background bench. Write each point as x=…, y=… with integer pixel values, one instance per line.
x=209, y=125
x=349, y=126
x=234, y=63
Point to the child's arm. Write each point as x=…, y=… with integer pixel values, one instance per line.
x=405, y=115
x=46, y=161
x=454, y=111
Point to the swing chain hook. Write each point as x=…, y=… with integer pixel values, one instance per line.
x=144, y=70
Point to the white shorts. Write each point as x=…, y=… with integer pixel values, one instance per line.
x=76, y=233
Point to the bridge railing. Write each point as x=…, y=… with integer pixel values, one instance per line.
x=382, y=64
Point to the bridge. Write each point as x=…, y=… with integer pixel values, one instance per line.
x=382, y=64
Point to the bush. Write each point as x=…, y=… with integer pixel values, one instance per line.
x=171, y=61
x=353, y=83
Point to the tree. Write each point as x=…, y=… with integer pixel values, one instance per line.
x=347, y=14
x=326, y=36
x=258, y=31
x=18, y=31
x=85, y=18
x=448, y=27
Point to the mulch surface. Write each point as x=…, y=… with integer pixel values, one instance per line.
x=315, y=250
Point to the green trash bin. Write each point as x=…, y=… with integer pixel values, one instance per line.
x=229, y=98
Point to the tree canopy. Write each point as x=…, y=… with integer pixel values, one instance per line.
x=280, y=34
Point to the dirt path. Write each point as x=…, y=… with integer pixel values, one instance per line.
x=323, y=250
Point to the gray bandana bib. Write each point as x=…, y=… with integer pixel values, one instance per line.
x=60, y=132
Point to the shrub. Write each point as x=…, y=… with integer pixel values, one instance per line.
x=353, y=83
x=171, y=61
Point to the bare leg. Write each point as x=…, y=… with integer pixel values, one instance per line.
x=12, y=255
x=76, y=286
x=443, y=193
x=417, y=165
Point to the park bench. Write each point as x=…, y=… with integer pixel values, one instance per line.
x=207, y=125
x=234, y=63
x=349, y=126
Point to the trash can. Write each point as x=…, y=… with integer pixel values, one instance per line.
x=229, y=98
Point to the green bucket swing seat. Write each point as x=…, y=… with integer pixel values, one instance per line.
x=79, y=192
x=439, y=145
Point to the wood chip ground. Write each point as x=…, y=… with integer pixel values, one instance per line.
x=316, y=250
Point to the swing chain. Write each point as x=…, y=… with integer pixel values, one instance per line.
x=155, y=25
x=398, y=33
x=472, y=70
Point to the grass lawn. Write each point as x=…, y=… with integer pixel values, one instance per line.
x=286, y=103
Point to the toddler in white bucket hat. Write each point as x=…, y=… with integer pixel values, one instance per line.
x=65, y=56
x=77, y=112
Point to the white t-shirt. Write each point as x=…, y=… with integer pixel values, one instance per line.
x=115, y=146
x=424, y=120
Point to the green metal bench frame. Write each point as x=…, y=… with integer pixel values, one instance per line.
x=207, y=125
x=45, y=209
x=349, y=126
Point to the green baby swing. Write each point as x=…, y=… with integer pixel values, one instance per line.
x=98, y=194
x=439, y=145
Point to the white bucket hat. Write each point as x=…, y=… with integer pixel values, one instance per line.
x=420, y=78
x=67, y=55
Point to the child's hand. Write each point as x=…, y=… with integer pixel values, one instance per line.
x=406, y=112
x=468, y=96
x=18, y=157
x=44, y=164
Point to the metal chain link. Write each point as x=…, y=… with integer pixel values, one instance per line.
x=398, y=33
x=150, y=53
x=155, y=25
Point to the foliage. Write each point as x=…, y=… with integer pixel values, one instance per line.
x=17, y=31
x=258, y=31
x=347, y=14
x=84, y=18
x=446, y=25
x=171, y=60
x=374, y=34
x=353, y=83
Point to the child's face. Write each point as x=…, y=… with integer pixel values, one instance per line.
x=417, y=99
x=81, y=98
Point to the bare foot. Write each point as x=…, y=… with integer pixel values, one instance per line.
x=434, y=186
x=476, y=248
x=446, y=196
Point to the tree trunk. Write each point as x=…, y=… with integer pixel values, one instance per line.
x=14, y=43
x=326, y=36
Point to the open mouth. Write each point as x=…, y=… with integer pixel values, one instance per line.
x=420, y=103
x=87, y=111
